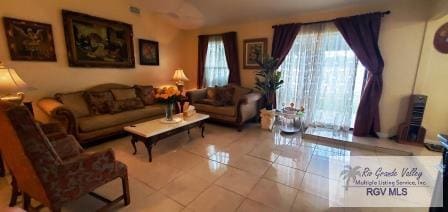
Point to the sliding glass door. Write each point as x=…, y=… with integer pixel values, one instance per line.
x=322, y=74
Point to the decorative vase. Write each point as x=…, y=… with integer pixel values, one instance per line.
x=169, y=111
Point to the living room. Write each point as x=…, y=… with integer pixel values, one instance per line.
x=217, y=148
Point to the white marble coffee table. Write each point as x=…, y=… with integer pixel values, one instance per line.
x=151, y=132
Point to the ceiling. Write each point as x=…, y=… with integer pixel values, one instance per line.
x=190, y=14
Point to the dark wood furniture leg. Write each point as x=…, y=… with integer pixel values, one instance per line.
x=148, y=144
x=134, y=140
x=15, y=192
x=2, y=166
x=202, y=126
x=125, y=184
x=26, y=201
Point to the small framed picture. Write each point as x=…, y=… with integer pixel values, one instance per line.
x=254, y=50
x=29, y=41
x=149, y=52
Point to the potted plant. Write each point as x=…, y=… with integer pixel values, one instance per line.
x=168, y=96
x=268, y=80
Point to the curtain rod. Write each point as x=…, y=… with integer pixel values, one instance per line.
x=326, y=21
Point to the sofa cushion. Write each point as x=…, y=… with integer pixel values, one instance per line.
x=99, y=102
x=209, y=102
x=146, y=93
x=211, y=93
x=130, y=104
x=224, y=95
x=92, y=123
x=239, y=92
x=123, y=94
x=75, y=102
x=220, y=110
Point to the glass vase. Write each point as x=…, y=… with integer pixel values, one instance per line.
x=169, y=112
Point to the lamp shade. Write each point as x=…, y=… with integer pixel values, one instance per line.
x=179, y=75
x=10, y=82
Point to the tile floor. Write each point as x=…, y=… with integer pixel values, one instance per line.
x=249, y=171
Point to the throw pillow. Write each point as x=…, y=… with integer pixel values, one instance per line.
x=99, y=102
x=146, y=94
x=130, y=104
x=122, y=94
x=224, y=95
x=239, y=92
x=75, y=102
x=211, y=92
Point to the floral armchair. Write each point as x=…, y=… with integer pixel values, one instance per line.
x=51, y=167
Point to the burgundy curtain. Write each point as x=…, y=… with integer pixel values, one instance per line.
x=231, y=50
x=361, y=33
x=284, y=36
x=202, y=53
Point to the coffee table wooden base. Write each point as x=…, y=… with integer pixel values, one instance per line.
x=151, y=141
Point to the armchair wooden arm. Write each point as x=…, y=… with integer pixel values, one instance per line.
x=60, y=113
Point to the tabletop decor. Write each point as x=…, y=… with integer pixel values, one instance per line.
x=149, y=52
x=253, y=51
x=29, y=41
x=168, y=96
x=11, y=85
x=97, y=42
x=179, y=77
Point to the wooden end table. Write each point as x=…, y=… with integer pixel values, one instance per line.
x=151, y=132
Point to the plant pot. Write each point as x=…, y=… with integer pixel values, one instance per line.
x=169, y=111
x=270, y=98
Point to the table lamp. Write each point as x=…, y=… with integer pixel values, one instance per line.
x=180, y=77
x=11, y=85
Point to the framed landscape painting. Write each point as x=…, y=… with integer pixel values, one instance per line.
x=97, y=42
x=253, y=51
x=149, y=52
x=29, y=41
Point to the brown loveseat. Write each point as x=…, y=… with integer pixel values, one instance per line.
x=241, y=107
x=88, y=123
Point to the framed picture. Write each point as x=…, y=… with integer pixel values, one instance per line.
x=29, y=41
x=97, y=42
x=441, y=39
x=149, y=52
x=253, y=51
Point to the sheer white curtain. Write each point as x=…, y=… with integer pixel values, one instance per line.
x=216, y=70
x=319, y=74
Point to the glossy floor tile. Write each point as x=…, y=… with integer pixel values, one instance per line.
x=250, y=171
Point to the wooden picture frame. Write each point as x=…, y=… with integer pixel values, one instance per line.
x=96, y=42
x=441, y=39
x=253, y=50
x=29, y=40
x=149, y=52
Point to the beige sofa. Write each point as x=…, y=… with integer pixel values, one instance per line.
x=87, y=127
x=243, y=107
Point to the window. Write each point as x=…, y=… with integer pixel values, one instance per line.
x=216, y=72
x=320, y=73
